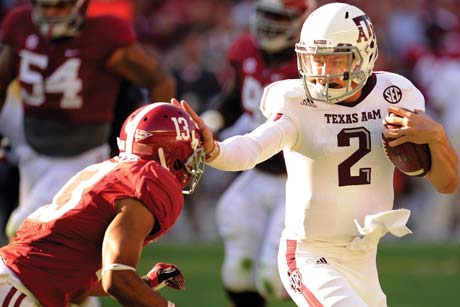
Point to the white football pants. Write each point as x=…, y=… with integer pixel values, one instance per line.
x=250, y=218
x=316, y=274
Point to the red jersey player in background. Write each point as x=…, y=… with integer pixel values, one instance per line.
x=250, y=214
x=104, y=215
x=69, y=67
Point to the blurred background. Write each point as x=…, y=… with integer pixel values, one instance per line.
x=419, y=39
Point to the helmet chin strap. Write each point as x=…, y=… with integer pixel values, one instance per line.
x=161, y=155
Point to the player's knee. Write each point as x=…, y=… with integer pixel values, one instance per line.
x=238, y=274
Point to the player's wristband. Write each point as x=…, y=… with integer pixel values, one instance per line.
x=210, y=156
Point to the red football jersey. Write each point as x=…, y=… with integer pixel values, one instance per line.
x=66, y=79
x=254, y=72
x=57, y=250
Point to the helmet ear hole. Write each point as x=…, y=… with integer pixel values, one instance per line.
x=178, y=165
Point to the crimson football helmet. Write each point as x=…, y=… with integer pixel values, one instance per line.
x=332, y=33
x=59, y=26
x=276, y=24
x=167, y=134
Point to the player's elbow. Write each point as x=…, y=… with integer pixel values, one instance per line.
x=162, y=89
x=449, y=187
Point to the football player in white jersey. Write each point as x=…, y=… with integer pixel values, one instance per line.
x=339, y=191
x=250, y=212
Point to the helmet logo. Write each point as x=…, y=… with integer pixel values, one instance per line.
x=361, y=21
x=140, y=135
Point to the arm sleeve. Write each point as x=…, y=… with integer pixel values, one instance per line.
x=243, y=152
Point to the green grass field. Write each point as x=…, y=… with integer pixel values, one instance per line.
x=411, y=275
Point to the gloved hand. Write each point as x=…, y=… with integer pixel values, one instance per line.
x=164, y=274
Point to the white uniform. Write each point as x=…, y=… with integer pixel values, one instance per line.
x=339, y=191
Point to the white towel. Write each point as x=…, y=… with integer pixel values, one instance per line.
x=377, y=225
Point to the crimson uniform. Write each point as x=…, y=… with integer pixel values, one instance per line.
x=73, y=226
x=255, y=73
x=68, y=98
x=65, y=82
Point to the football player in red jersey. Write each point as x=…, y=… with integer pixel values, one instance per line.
x=250, y=214
x=103, y=217
x=69, y=67
x=339, y=193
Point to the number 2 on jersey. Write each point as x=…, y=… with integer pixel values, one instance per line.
x=344, y=168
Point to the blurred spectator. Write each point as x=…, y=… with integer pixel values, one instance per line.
x=195, y=82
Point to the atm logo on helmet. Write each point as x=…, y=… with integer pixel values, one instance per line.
x=365, y=28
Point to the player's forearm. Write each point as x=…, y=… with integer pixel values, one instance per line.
x=244, y=152
x=163, y=90
x=444, y=165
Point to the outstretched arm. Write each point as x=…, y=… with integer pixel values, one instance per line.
x=419, y=128
x=242, y=152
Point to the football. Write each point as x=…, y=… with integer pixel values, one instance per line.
x=410, y=158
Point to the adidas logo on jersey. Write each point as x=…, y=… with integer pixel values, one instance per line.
x=321, y=261
x=308, y=102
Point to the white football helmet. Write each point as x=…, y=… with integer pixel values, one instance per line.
x=334, y=30
x=57, y=27
x=276, y=24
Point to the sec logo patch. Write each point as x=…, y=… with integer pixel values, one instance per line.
x=392, y=94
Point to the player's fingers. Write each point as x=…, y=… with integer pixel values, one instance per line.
x=192, y=113
x=399, y=111
x=391, y=133
x=394, y=120
x=176, y=103
x=398, y=141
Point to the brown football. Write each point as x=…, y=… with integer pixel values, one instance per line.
x=410, y=158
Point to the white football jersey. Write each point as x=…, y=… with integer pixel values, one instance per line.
x=337, y=168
